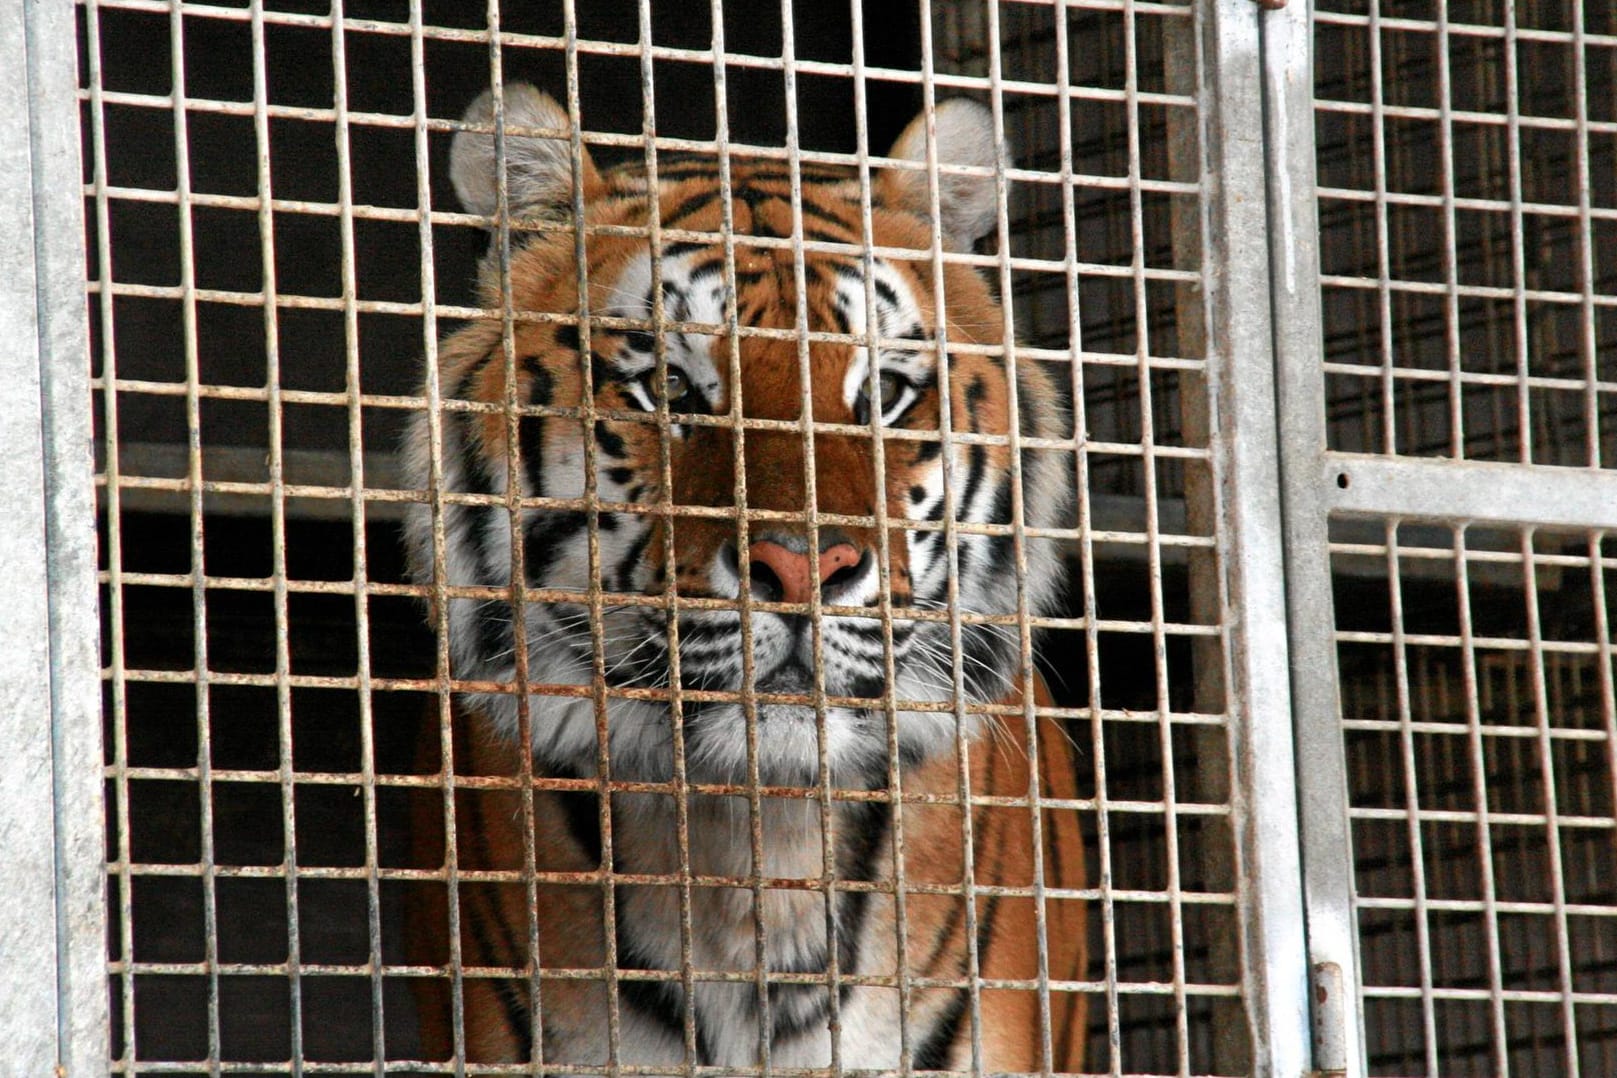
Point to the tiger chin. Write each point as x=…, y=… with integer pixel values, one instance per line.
x=620, y=955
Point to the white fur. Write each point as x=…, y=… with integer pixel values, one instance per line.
x=538, y=169
x=968, y=204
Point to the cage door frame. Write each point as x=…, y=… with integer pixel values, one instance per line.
x=53, y=986
x=1246, y=490
x=1293, y=234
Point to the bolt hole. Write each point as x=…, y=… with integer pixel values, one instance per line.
x=1342, y=480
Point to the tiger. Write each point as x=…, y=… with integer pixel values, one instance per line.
x=857, y=910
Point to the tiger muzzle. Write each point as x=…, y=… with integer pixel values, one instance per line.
x=780, y=568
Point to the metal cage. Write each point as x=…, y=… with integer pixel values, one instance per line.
x=1333, y=289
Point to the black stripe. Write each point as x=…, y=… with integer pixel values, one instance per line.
x=491, y=621
x=531, y=432
x=510, y=993
x=821, y=213
x=662, y=1002
x=933, y=1054
x=686, y=209
x=631, y=558
x=975, y=392
x=862, y=828
x=676, y=250
x=977, y=463
x=885, y=293
x=611, y=442
x=604, y=373
x=1054, y=871
x=702, y=271
x=957, y=913
x=935, y=1050
x=795, y=1008
x=581, y=811
x=755, y=200
x=823, y=236
x=547, y=531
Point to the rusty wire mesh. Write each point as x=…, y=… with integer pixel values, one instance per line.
x=273, y=245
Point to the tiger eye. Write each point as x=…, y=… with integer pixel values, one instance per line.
x=892, y=387
x=676, y=385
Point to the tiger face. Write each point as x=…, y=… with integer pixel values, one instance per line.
x=680, y=394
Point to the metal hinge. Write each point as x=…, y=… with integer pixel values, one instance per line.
x=1330, y=1023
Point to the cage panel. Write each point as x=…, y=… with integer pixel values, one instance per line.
x=1462, y=167
x=294, y=819
x=1477, y=704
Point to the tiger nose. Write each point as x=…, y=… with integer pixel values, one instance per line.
x=782, y=575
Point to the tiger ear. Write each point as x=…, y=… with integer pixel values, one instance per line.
x=967, y=204
x=538, y=168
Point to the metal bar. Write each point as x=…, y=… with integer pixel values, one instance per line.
x=1478, y=757
x=1153, y=528
x=30, y=997
x=676, y=703
x=118, y=688
x=1584, y=180
x=1412, y=777
x=511, y=489
x=356, y=510
x=432, y=405
x=800, y=320
x=1382, y=246
x=1451, y=258
x=278, y=572
x=1469, y=491
x=193, y=382
x=63, y=350
x=1551, y=793
x=902, y=887
x=1025, y=677
x=951, y=494
x=1518, y=242
x=661, y=52
x=1332, y=937
x=1246, y=468
x=743, y=519
x=588, y=419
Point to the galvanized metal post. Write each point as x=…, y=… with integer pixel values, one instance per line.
x=1247, y=471
x=1294, y=274
x=53, y=1000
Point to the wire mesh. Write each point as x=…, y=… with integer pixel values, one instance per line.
x=274, y=238
x=1478, y=715
x=1467, y=170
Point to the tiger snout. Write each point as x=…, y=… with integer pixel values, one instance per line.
x=780, y=569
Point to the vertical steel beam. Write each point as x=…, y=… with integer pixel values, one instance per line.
x=53, y=1001
x=28, y=1004
x=1247, y=475
x=1288, y=72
